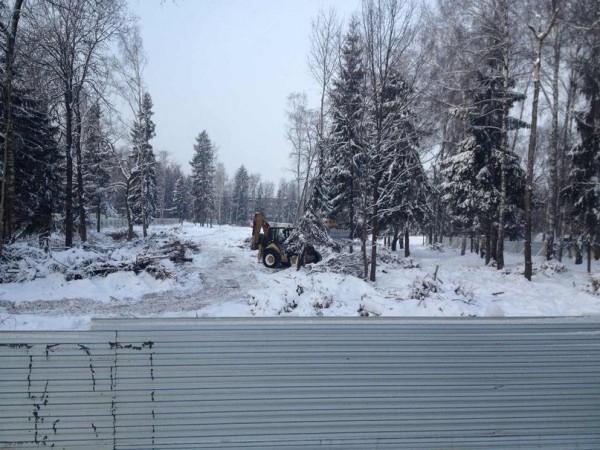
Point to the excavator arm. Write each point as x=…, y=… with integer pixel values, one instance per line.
x=259, y=224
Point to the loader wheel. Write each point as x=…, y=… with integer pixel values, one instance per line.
x=271, y=258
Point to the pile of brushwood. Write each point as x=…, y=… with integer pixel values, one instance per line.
x=24, y=263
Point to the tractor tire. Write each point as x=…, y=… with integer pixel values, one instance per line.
x=271, y=259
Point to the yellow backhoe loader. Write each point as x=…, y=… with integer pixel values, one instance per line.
x=270, y=243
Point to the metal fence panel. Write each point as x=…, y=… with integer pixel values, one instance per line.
x=305, y=383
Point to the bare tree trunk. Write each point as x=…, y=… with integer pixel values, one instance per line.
x=69, y=168
x=82, y=226
x=128, y=208
x=363, y=243
x=554, y=183
x=7, y=195
x=406, y=243
x=488, y=246
x=144, y=200
x=503, y=136
x=539, y=37
x=565, y=144
x=494, y=246
x=375, y=227
x=351, y=212
x=395, y=238
x=437, y=207
x=463, y=245
x=98, y=212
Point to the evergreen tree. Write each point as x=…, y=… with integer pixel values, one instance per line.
x=472, y=174
x=240, y=196
x=143, y=175
x=37, y=165
x=405, y=189
x=260, y=198
x=203, y=173
x=347, y=99
x=584, y=186
x=96, y=157
x=180, y=199
x=390, y=135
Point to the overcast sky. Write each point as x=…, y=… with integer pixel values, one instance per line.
x=227, y=66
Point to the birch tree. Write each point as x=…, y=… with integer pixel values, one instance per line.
x=539, y=32
x=322, y=62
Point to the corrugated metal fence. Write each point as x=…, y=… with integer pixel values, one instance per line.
x=304, y=383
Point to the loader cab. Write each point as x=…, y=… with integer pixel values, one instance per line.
x=279, y=235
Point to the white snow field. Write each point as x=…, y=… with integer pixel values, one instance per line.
x=224, y=279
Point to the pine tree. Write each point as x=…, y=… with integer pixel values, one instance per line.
x=203, y=173
x=404, y=188
x=472, y=174
x=143, y=175
x=240, y=196
x=389, y=136
x=96, y=157
x=347, y=100
x=180, y=199
x=584, y=186
x=260, y=198
x=37, y=165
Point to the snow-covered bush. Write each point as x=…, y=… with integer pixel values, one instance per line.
x=422, y=288
x=342, y=263
x=387, y=257
x=594, y=286
x=552, y=267
x=436, y=246
x=547, y=268
x=322, y=303
x=464, y=292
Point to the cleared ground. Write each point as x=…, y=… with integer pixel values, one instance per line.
x=224, y=279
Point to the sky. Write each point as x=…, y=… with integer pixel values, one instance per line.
x=227, y=67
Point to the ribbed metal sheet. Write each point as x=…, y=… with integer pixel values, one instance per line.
x=304, y=383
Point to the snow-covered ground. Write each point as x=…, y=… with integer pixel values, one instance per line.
x=224, y=279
